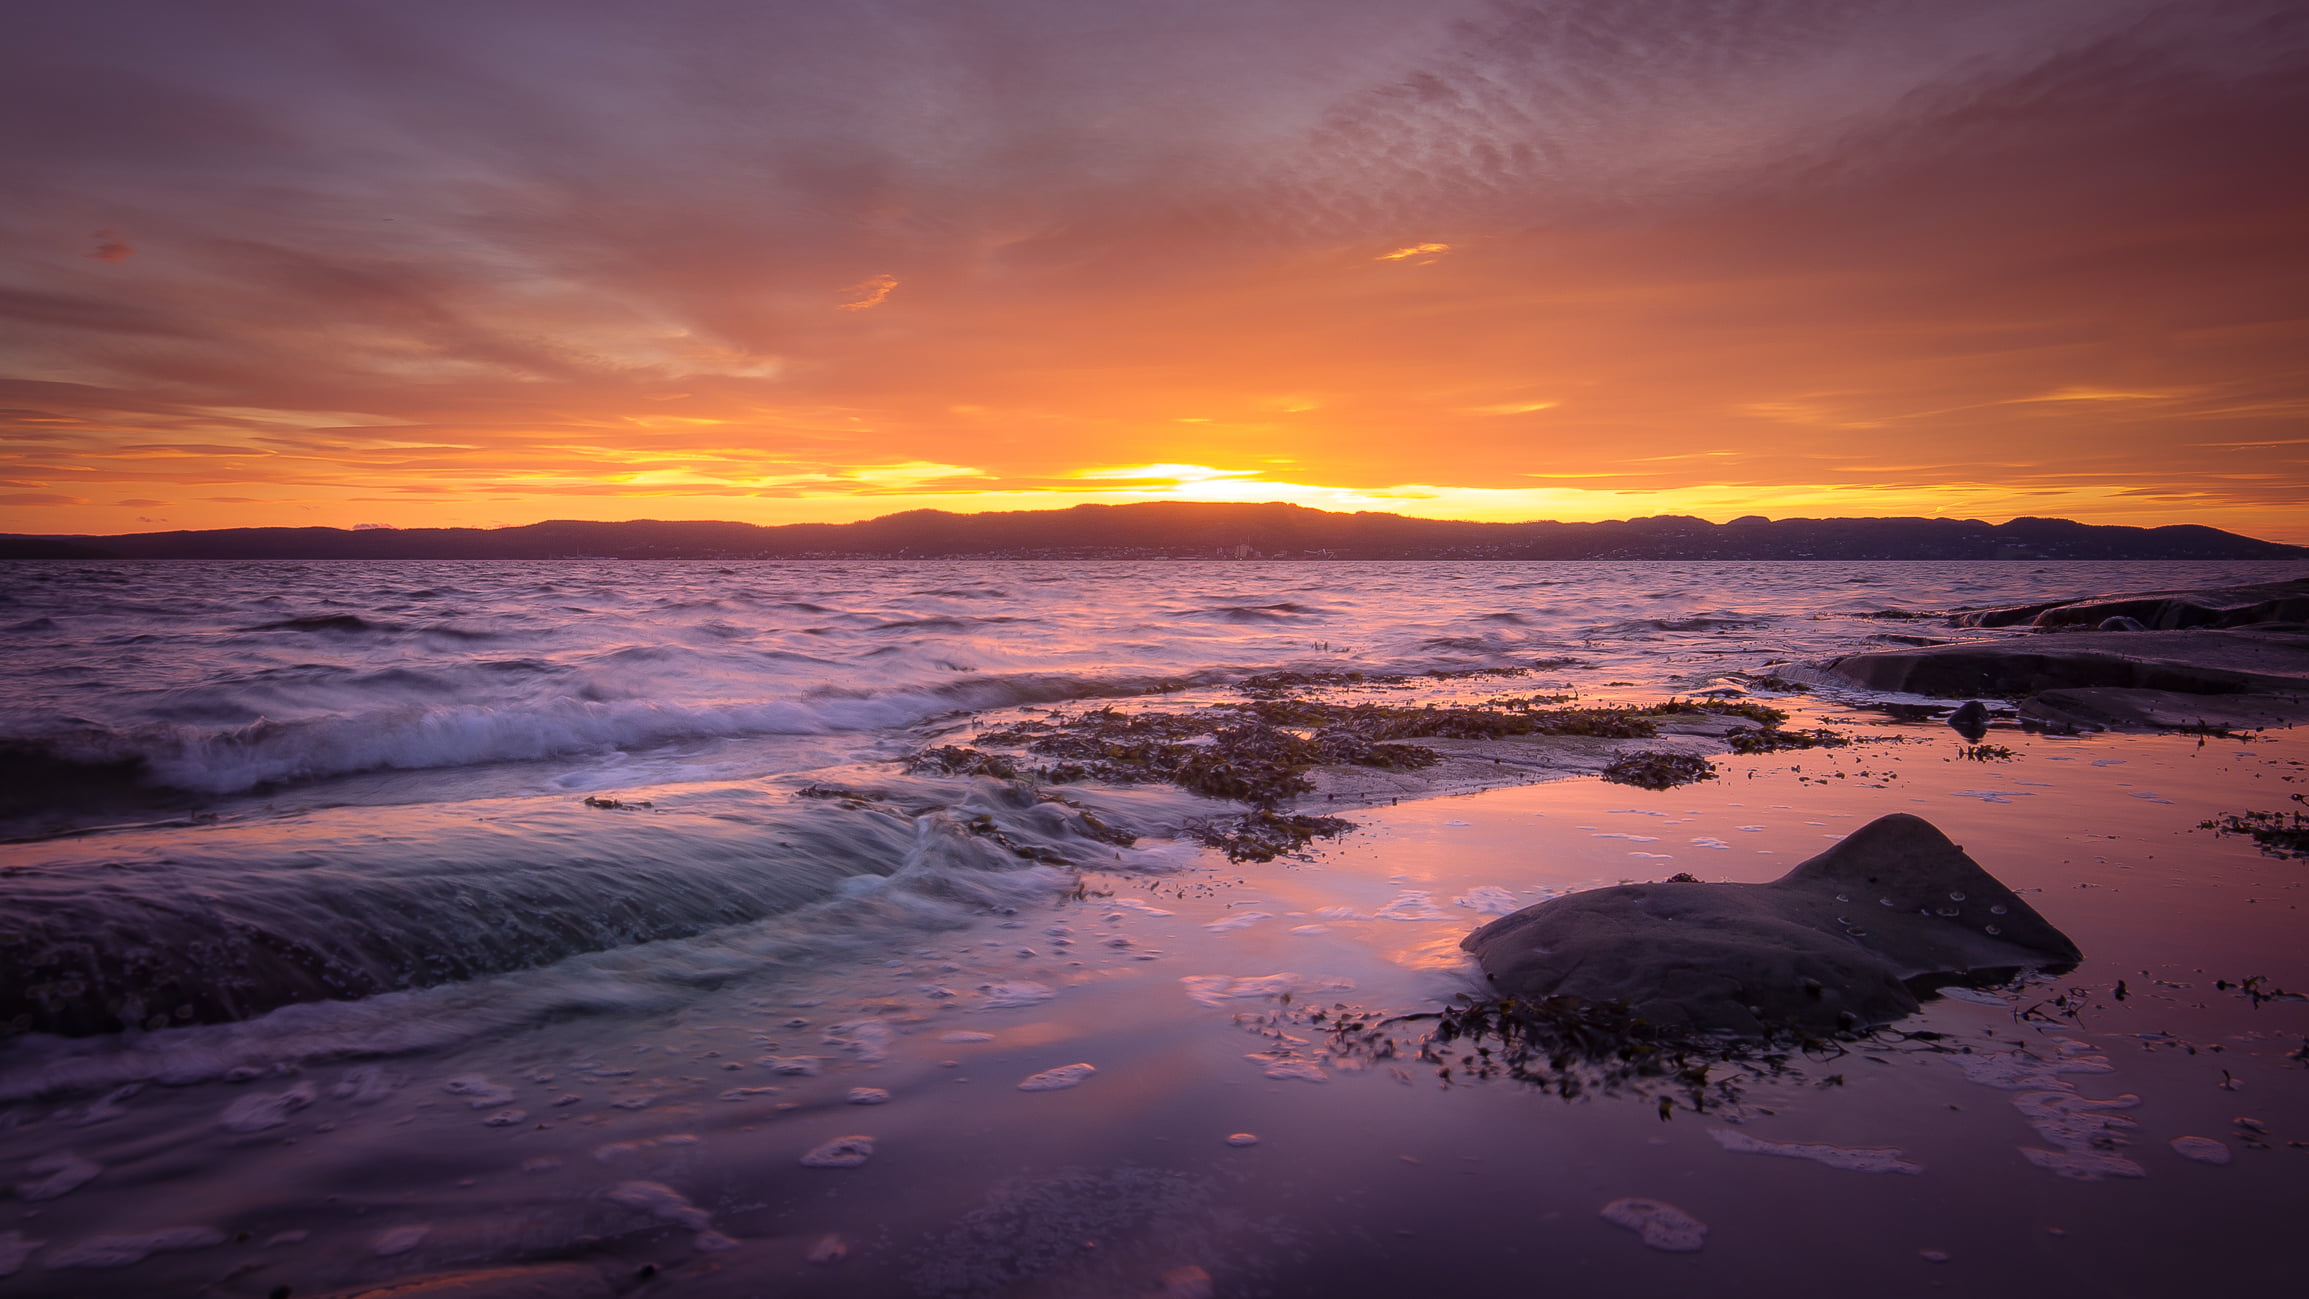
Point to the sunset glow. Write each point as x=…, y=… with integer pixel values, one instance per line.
x=475, y=264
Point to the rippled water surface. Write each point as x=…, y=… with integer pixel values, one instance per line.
x=304, y=853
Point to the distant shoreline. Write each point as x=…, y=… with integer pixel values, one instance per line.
x=1189, y=531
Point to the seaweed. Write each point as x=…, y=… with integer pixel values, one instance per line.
x=1653, y=770
x=1572, y=1049
x=2279, y=834
x=1985, y=753
x=1263, y=834
x=948, y=760
x=1774, y=740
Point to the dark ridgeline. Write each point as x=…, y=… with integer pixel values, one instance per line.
x=1188, y=530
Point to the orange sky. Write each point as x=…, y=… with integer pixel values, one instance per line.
x=496, y=261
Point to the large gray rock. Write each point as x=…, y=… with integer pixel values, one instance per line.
x=1842, y=941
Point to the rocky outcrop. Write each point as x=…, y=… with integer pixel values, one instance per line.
x=2206, y=662
x=1843, y=941
x=2240, y=677
x=2228, y=606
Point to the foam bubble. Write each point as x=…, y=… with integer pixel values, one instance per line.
x=1242, y=1139
x=478, y=1091
x=1058, y=1079
x=258, y=1112
x=841, y=1152
x=660, y=1201
x=1857, y=1159
x=400, y=1240
x=2205, y=1150
x=867, y=1096
x=1662, y=1225
x=65, y=1173
x=1009, y=996
x=1489, y=900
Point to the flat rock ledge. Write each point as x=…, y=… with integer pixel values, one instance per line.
x=1843, y=942
x=2242, y=677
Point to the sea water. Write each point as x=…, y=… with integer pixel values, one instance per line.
x=327, y=836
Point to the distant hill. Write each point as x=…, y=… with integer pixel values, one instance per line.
x=1187, y=530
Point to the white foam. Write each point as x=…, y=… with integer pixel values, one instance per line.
x=660, y=1201
x=1412, y=904
x=478, y=1091
x=867, y=1096
x=2205, y=1150
x=1489, y=900
x=841, y=1152
x=867, y=1039
x=1058, y=1079
x=1662, y=1225
x=792, y=1066
x=256, y=1113
x=65, y=1173
x=1242, y=1139
x=123, y=1251
x=400, y=1240
x=365, y=1085
x=1294, y=1071
x=965, y=1036
x=1857, y=1159
x=1239, y=920
x=1011, y=995
x=1215, y=990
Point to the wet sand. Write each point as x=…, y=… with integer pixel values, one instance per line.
x=661, y=1152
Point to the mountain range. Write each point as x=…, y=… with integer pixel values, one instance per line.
x=1187, y=530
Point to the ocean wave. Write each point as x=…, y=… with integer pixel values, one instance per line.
x=413, y=737
x=444, y=931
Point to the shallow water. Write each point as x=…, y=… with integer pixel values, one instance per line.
x=598, y=1008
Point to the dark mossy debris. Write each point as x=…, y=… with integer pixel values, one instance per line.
x=2279, y=834
x=1649, y=770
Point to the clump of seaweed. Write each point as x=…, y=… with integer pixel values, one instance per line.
x=1774, y=740
x=1264, y=834
x=948, y=760
x=1652, y=770
x=2279, y=834
x=1985, y=753
x=1573, y=1049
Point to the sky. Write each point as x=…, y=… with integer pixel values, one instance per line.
x=485, y=262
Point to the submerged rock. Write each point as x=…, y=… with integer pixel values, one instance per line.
x=1843, y=941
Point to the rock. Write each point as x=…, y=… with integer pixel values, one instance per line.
x=2188, y=662
x=2229, y=606
x=2120, y=623
x=1842, y=941
x=2257, y=676
x=1970, y=721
